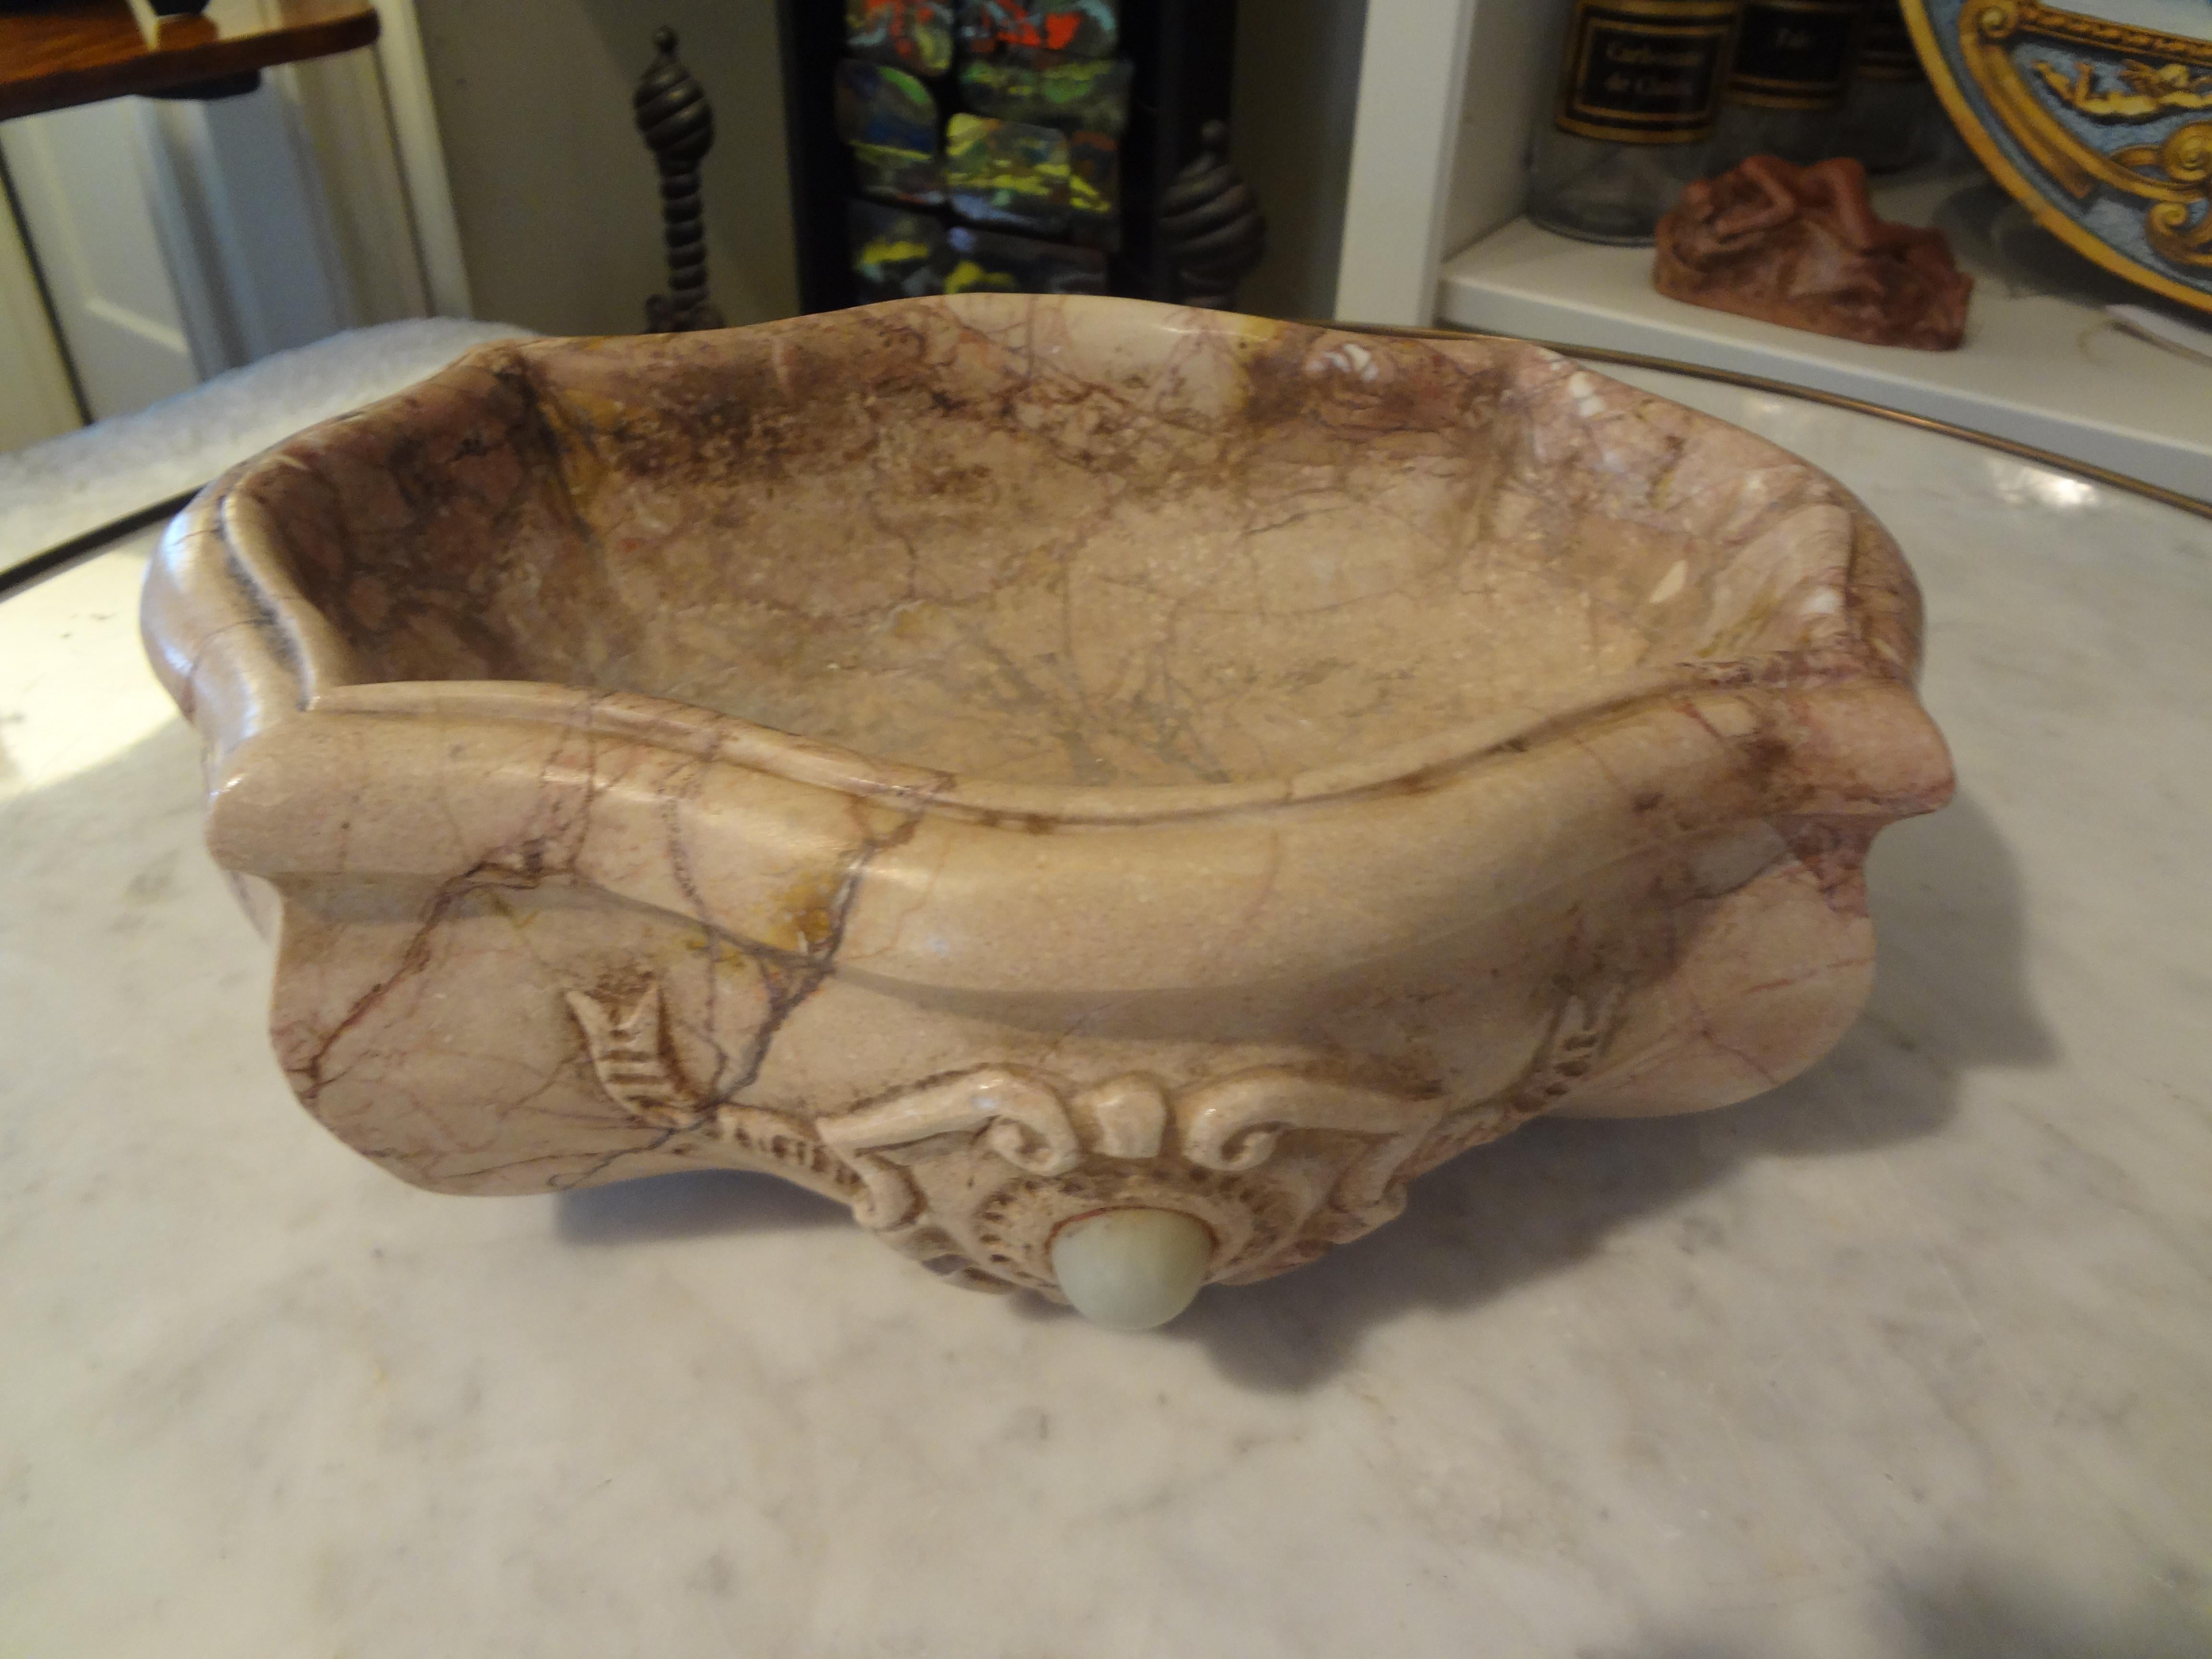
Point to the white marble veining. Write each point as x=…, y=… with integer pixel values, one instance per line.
x=1911, y=1360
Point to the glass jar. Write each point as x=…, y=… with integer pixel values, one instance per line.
x=1785, y=92
x=1639, y=86
x=1891, y=119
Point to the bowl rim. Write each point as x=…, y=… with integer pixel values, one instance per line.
x=220, y=601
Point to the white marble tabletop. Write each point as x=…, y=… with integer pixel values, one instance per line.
x=1910, y=1358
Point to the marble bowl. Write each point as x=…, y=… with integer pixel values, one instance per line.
x=999, y=762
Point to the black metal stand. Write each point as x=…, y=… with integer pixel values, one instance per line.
x=679, y=124
x=1211, y=226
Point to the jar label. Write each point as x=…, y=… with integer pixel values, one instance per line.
x=1885, y=50
x=1794, y=54
x=1645, y=71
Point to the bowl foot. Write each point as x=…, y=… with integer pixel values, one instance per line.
x=1130, y=1270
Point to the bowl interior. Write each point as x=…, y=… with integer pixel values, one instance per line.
x=1056, y=541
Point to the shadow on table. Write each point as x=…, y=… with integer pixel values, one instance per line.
x=692, y=1203
x=1950, y=997
x=1978, y=1614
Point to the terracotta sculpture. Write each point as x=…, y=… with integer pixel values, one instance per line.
x=1108, y=792
x=1801, y=247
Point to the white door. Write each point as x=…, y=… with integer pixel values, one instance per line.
x=178, y=238
x=39, y=401
x=79, y=177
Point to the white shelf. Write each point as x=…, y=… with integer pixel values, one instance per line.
x=2042, y=363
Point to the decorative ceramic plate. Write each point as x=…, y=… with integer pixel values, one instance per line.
x=2097, y=119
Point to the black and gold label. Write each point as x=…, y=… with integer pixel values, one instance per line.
x=1645, y=71
x=1885, y=50
x=1794, y=54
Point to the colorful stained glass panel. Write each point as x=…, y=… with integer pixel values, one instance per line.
x=1080, y=29
x=1007, y=174
x=896, y=255
x=884, y=106
x=1094, y=190
x=1088, y=94
x=899, y=175
x=915, y=35
x=985, y=260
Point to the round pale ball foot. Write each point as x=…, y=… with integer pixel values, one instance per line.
x=1130, y=1270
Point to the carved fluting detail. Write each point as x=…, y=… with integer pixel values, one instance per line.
x=629, y=1046
x=1130, y=1114
x=1569, y=1053
x=792, y=1145
x=973, y=1171
x=626, y=1039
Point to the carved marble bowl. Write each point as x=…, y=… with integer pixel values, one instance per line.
x=996, y=761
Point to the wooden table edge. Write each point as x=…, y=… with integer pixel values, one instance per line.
x=161, y=69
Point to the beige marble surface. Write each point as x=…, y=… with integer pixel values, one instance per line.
x=998, y=758
x=1907, y=1360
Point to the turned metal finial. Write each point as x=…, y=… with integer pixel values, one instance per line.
x=679, y=124
x=1212, y=225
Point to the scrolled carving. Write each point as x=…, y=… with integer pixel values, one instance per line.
x=2186, y=158
x=1236, y=1124
x=972, y=1172
x=1039, y=1140
x=1022, y=1120
x=1110, y=1145
x=1027, y=1125
x=626, y=1041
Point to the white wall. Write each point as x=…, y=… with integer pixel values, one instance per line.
x=39, y=401
x=80, y=181
x=1296, y=92
x=1498, y=112
x=1448, y=90
x=175, y=239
